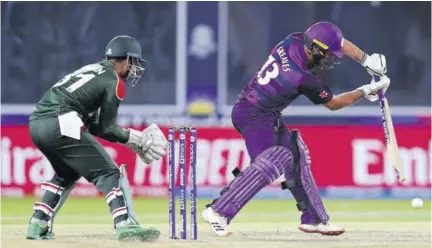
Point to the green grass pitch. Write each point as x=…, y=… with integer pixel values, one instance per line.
x=93, y=210
x=86, y=222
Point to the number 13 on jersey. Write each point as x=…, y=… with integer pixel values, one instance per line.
x=268, y=73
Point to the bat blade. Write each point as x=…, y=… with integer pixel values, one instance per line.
x=390, y=136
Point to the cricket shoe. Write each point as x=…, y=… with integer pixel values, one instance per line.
x=127, y=231
x=323, y=229
x=39, y=229
x=218, y=223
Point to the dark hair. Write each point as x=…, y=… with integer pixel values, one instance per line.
x=116, y=59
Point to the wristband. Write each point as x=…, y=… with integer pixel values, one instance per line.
x=363, y=60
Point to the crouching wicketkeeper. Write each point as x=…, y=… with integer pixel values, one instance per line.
x=82, y=104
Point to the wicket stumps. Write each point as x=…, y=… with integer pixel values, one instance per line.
x=183, y=181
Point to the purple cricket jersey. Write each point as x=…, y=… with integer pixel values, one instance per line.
x=284, y=77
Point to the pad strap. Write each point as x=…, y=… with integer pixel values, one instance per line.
x=54, y=195
x=44, y=208
x=52, y=188
x=113, y=194
x=118, y=212
x=302, y=184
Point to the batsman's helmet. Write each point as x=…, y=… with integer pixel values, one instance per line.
x=127, y=47
x=325, y=41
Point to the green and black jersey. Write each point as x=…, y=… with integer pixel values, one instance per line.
x=95, y=90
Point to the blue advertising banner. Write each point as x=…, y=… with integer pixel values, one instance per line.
x=202, y=57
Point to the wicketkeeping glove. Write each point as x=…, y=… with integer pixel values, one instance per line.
x=158, y=136
x=146, y=158
x=159, y=144
x=149, y=144
x=138, y=140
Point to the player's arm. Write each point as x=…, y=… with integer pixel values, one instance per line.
x=352, y=51
x=319, y=93
x=92, y=123
x=106, y=126
x=368, y=91
x=149, y=144
x=344, y=100
x=375, y=64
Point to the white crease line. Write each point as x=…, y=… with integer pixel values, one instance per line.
x=243, y=215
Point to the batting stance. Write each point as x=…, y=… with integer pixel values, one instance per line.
x=82, y=104
x=274, y=150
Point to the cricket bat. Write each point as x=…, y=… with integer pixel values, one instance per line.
x=390, y=137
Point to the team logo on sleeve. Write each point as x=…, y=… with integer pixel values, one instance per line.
x=323, y=94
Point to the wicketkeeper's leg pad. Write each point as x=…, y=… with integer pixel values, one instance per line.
x=108, y=184
x=56, y=192
x=127, y=194
x=301, y=183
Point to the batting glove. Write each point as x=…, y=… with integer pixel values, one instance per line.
x=370, y=91
x=375, y=64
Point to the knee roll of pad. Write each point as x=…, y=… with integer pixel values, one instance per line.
x=273, y=162
x=286, y=158
x=236, y=172
x=267, y=167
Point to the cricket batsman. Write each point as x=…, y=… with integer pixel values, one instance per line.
x=81, y=105
x=275, y=150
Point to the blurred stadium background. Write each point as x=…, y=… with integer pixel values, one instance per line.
x=200, y=55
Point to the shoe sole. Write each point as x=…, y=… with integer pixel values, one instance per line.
x=325, y=233
x=226, y=235
x=211, y=227
x=38, y=237
x=145, y=235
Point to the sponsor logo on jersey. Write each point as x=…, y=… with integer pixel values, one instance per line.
x=323, y=94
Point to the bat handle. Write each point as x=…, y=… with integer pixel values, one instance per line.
x=380, y=92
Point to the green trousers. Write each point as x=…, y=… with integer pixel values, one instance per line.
x=71, y=158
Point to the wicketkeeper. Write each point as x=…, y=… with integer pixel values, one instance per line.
x=81, y=105
x=290, y=71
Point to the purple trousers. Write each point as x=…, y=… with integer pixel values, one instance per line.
x=260, y=129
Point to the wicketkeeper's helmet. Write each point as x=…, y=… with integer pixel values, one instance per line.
x=128, y=48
